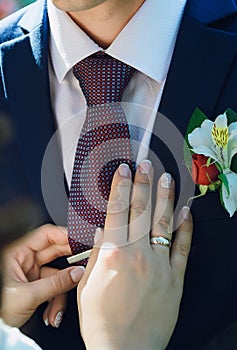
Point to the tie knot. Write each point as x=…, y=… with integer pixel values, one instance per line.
x=102, y=78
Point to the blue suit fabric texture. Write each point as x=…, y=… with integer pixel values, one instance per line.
x=203, y=73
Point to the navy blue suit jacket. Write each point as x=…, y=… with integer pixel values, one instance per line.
x=203, y=73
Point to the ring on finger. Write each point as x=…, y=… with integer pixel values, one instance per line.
x=161, y=241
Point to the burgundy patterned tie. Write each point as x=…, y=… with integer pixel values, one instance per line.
x=103, y=145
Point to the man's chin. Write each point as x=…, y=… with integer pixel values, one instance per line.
x=77, y=5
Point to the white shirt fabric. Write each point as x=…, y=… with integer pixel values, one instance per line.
x=146, y=43
x=12, y=338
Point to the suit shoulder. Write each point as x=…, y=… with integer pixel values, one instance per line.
x=9, y=26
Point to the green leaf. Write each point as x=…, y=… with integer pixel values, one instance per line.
x=187, y=157
x=196, y=120
x=214, y=186
x=221, y=199
x=223, y=178
x=218, y=166
x=203, y=189
x=208, y=162
x=231, y=116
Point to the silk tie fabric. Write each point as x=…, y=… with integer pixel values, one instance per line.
x=103, y=145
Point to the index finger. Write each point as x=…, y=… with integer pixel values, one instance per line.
x=44, y=237
x=116, y=223
x=44, y=256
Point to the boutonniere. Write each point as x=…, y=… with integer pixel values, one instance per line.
x=213, y=145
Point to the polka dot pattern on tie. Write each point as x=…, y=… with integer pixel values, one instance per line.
x=103, y=145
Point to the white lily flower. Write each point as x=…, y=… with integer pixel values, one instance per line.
x=230, y=197
x=216, y=140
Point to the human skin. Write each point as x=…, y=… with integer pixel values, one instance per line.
x=136, y=303
x=102, y=20
x=138, y=285
x=28, y=282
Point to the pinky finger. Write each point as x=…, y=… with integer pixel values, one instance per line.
x=182, y=243
x=56, y=310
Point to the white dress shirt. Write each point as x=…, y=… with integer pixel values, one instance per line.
x=146, y=43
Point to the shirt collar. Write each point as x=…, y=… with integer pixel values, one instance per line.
x=149, y=50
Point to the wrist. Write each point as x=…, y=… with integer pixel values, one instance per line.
x=124, y=340
x=124, y=344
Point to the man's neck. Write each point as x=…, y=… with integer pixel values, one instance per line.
x=104, y=22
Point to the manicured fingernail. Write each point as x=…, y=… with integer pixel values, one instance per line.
x=58, y=319
x=76, y=273
x=98, y=235
x=166, y=180
x=185, y=213
x=145, y=167
x=124, y=170
x=46, y=321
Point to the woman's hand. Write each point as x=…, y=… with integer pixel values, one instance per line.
x=28, y=283
x=130, y=294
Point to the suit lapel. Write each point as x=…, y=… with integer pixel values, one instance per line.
x=201, y=62
x=25, y=73
x=210, y=11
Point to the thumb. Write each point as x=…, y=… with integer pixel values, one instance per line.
x=55, y=284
